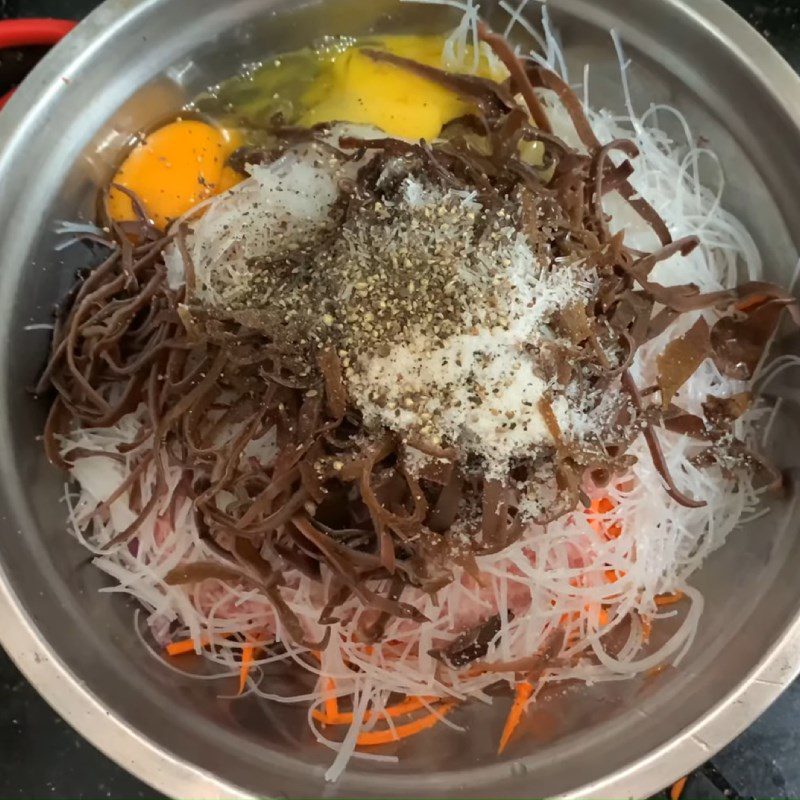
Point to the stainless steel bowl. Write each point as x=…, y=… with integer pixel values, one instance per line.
x=132, y=64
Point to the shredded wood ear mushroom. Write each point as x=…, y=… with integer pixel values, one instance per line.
x=681, y=358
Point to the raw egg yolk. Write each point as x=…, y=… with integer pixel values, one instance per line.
x=357, y=89
x=174, y=169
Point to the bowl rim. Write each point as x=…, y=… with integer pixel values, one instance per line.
x=177, y=777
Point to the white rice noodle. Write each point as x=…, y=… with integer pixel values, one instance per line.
x=40, y=326
x=75, y=232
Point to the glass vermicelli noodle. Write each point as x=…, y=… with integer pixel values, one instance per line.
x=425, y=400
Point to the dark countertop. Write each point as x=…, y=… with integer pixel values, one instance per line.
x=41, y=756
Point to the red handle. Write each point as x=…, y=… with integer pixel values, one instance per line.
x=30, y=33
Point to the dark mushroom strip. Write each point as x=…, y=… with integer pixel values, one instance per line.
x=471, y=645
x=681, y=358
x=520, y=80
x=657, y=454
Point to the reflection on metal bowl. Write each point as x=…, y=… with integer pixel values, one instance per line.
x=132, y=64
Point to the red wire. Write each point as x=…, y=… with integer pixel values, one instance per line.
x=31, y=33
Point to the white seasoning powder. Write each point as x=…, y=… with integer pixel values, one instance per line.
x=479, y=388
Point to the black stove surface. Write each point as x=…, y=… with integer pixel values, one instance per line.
x=41, y=756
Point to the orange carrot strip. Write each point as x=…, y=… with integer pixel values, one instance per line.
x=602, y=618
x=331, y=703
x=376, y=738
x=187, y=646
x=408, y=706
x=594, y=508
x=524, y=692
x=669, y=599
x=247, y=659
x=614, y=575
x=599, y=506
x=614, y=532
x=647, y=628
x=654, y=672
x=676, y=791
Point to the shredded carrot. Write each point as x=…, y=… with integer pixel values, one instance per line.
x=408, y=706
x=654, y=672
x=647, y=628
x=331, y=703
x=602, y=618
x=603, y=505
x=676, y=791
x=187, y=646
x=524, y=692
x=376, y=738
x=669, y=599
x=247, y=659
x=571, y=616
